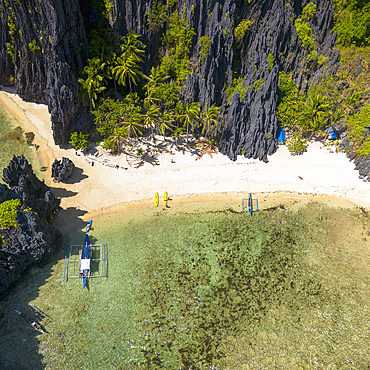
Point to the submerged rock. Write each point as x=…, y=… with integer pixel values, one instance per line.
x=62, y=170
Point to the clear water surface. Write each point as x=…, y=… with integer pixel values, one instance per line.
x=203, y=286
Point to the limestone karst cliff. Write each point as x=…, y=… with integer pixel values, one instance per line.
x=31, y=239
x=44, y=44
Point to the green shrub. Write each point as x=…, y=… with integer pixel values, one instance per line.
x=204, y=43
x=296, y=144
x=237, y=85
x=304, y=31
x=8, y=211
x=79, y=140
x=270, y=61
x=352, y=22
x=257, y=84
x=103, y=7
x=322, y=60
x=313, y=57
x=35, y=48
x=242, y=29
x=356, y=128
x=177, y=38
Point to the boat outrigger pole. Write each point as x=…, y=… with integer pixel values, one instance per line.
x=33, y=323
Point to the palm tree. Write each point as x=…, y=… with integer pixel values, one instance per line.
x=192, y=114
x=91, y=89
x=119, y=136
x=178, y=133
x=316, y=111
x=179, y=113
x=132, y=98
x=95, y=70
x=351, y=102
x=337, y=115
x=127, y=69
x=155, y=80
x=150, y=98
x=209, y=116
x=132, y=47
x=95, y=82
x=151, y=117
x=134, y=125
x=165, y=122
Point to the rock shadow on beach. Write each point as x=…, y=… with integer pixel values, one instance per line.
x=77, y=176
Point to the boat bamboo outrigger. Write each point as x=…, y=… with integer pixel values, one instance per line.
x=33, y=323
x=85, y=260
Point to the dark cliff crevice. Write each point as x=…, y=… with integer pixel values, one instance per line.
x=48, y=73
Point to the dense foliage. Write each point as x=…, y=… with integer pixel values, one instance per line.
x=312, y=111
x=8, y=210
x=303, y=29
x=241, y=30
x=144, y=102
x=358, y=133
x=352, y=21
x=79, y=140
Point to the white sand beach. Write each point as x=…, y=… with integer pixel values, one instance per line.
x=117, y=181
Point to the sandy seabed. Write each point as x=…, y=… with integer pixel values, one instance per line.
x=102, y=182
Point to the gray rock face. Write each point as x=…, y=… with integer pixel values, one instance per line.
x=29, y=189
x=50, y=45
x=249, y=122
x=34, y=239
x=362, y=164
x=61, y=170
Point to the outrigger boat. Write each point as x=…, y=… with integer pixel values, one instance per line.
x=84, y=255
x=33, y=323
x=91, y=261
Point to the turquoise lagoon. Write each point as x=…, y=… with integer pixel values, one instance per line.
x=13, y=141
x=204, y=286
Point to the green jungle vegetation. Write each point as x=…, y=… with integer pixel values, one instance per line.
x=125, y=102
x=8, y=210
x=340, y=99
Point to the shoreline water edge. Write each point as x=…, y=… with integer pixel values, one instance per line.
x=102, y=182
x=201, y=227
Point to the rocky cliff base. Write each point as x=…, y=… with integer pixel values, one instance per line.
x=34, y=238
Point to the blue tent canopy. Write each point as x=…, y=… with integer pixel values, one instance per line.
x=330, y=131
x=281, y=135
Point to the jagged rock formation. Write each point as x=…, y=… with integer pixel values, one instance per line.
x=249, y=122
x=50, y=45
x=34, y=239
x=362, y=164
x=61, y=170
x=29, y=189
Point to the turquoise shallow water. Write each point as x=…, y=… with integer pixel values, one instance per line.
x=13, y=142
x=203, y=286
